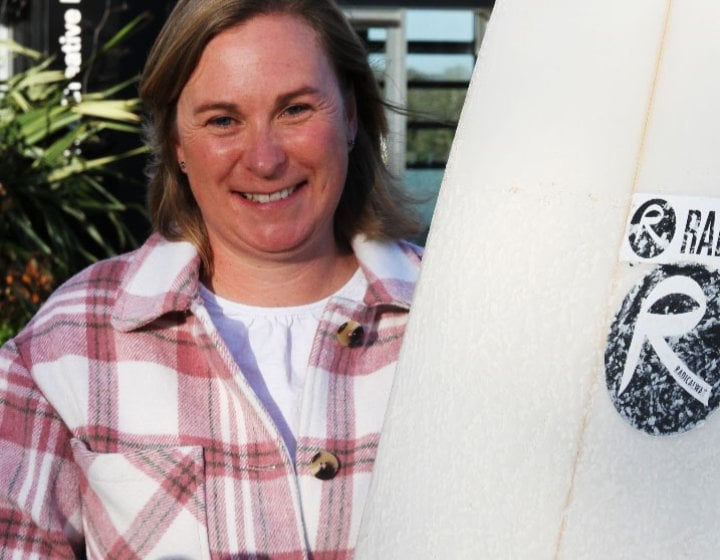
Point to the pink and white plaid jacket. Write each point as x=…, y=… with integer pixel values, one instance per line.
x=127, y=430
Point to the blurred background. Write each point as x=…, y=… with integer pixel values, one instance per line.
x=423, y=52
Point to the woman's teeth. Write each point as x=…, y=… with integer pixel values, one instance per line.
x=272, y=197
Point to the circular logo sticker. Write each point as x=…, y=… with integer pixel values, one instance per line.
x=652, y=228
x=662, y=360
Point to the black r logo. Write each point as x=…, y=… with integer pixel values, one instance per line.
x=652, y=228
x=662, y=361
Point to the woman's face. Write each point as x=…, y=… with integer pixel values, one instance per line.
x=263, y=131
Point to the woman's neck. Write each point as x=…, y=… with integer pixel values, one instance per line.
x=281, y=282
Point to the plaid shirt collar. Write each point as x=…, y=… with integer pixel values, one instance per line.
x=164, y=277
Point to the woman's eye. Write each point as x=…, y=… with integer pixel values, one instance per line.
x=222, y=122
x=295, y=110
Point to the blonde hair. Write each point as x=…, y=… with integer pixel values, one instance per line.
x=373, y=202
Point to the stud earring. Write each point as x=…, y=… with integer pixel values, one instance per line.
x=183, y=166
x=351, y=144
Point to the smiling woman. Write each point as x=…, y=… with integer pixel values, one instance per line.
x=265, y=139
x=372, y=202
x=220, y=392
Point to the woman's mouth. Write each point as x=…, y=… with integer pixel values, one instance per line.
x=261, y=198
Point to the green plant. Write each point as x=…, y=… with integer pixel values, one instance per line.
x=56, y=211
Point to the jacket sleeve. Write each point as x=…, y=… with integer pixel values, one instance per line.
x=39, y=499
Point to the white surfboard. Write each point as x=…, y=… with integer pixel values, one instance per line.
x=557, y=388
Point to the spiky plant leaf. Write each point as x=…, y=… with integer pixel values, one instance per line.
x=57, y=213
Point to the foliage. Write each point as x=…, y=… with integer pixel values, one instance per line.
x=56, y=211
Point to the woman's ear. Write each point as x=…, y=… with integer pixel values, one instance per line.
x=180, y=155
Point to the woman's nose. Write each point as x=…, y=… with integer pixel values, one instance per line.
x=264, y=154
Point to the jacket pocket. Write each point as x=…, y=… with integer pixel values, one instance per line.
x=148, y=503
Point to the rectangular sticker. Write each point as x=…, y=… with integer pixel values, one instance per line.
x=667, y=229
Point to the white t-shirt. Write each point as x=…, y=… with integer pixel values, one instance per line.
x=272, y=346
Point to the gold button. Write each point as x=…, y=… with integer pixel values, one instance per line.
x=351, y=334
x=324, y=465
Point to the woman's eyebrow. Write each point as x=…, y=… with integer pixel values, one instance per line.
x=289, y=96
x=225, y=106
x=230, y=107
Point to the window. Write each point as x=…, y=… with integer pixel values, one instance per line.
x=424, y=59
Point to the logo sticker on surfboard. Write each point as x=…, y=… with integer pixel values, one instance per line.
x=670, y=229
x=662, y=360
